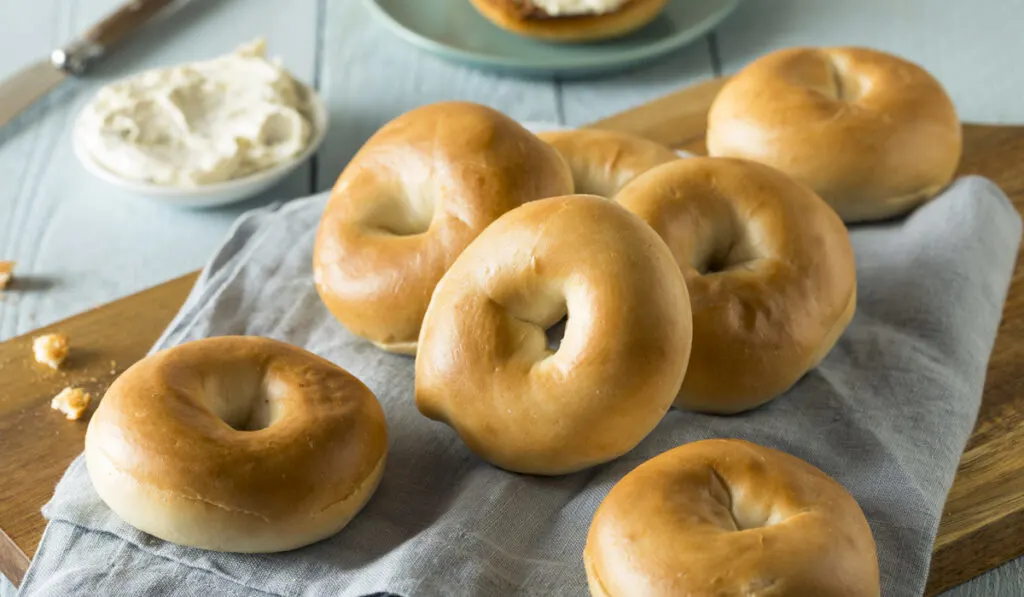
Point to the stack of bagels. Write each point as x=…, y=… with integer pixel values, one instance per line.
x=711, y=284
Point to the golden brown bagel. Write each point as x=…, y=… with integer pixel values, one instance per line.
x=484, y=366
x=237, y=444
x=769, y=268
x=602, y=162
x=411, y=200
x=525, y=18
x=871, y=133
x=727, y=517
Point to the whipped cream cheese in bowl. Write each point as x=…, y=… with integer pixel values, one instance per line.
x=202, y=134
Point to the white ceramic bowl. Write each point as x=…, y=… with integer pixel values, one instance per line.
x=220, y=193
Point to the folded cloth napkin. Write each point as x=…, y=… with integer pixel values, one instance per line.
x=887, y=414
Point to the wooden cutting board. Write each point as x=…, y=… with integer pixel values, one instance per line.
x=982, y=525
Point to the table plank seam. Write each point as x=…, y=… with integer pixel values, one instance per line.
x=559, y=101
x=318, y=67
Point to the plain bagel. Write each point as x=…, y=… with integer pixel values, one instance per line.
x=485, y=368
x=727, y=517
x=872, y=134
x=236, y=443
x=525, y=17
x=770, y=271
x=411, y=200
x=602, y=162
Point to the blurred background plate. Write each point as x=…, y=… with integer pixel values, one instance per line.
x=454, y=30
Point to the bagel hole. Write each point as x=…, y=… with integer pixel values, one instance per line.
x=844, y=86
x=543, y=309
x=715, y=265
x=719, y=492
x=259, y=416
x=240, y=399
x=729, y=257
x=395, y=215
x=252, y=417
x=556, y=333
x=737, y=518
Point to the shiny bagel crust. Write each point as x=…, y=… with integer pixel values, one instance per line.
x=509, y=15
x=484, y=365
x=239, y=444
x=728, y=517
x=411, y=200
x=873, y=134
x=602, y=162
x=769, y=268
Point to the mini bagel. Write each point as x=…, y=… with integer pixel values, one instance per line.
x=484, y=365
x=769, y=268
x=238, y=444
x=525, y=17
x=727, y=517
x=411, y=200
x=874, y=135
x=602, y=162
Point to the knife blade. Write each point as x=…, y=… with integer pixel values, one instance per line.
x=26, y=86
x=32, y=82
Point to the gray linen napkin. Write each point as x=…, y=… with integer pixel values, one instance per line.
x=887, y=414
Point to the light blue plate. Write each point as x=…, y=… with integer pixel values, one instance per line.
x=454, y=30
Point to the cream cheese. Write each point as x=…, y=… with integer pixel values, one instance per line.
x=199, y=123
x=558, y=8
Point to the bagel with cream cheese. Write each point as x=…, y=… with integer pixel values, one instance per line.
x=569, y=21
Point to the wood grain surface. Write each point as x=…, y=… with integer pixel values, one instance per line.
x=36, y=442
x=984, y=516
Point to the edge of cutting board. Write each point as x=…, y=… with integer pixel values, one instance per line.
x=984, y=513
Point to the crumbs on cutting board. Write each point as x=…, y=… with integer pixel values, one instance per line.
x=50, y=349
x=6, y=273
x=71, y=401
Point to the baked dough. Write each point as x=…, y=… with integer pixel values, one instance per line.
x=770, y=271
x=727, y=517
x=236, y=443
x=602, y=162
x=485, y=367
x=411, y=200
x=873, y=134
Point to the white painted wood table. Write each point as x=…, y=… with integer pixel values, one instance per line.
x=79, y=243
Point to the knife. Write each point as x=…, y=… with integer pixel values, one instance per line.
x=32, y=82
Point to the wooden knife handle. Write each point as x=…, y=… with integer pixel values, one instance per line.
x=122, y=22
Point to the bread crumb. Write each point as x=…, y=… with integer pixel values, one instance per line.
x=50, y=349
x=6, y=269
x=72, y=402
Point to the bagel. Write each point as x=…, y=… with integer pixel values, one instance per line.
x=529, y=18
x=239, y=444
x=872, y=134
x=602, y=162
x=769, y=268
x=410, y=201
x=484, y=365
x=727, y=517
